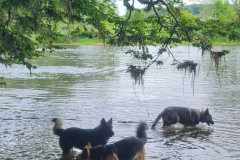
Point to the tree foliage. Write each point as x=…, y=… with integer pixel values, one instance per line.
x=26, y=24
x=222, y=11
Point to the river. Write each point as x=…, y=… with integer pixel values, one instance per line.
x=83, y=84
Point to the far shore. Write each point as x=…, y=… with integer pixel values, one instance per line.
x=88, y=41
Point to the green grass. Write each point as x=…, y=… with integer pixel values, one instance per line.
x=92, y=41
x=89, y=41
x=222, y=42
x=82, y=41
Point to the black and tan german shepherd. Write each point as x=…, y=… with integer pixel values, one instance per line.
x=186, y=116
x=77, y=137
x=130, y=148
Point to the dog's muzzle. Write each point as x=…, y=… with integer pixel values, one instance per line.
x=210, y=123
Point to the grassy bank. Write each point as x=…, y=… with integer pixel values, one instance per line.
x=82, y=41
x=92, y=41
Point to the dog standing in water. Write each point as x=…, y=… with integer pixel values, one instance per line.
x=130, y=148
x=77, y=137
x=186, y=116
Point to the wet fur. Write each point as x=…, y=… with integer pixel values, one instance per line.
x=186, y=116
x=77, y=137
x=130, y=148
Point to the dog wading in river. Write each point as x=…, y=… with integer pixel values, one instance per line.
x=130, y=148
x=78, y=137
x=186, y=116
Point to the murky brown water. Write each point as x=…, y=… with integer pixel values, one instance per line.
x=85, y=83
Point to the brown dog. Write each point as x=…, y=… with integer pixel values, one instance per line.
x=131, y=148
x=186, y=116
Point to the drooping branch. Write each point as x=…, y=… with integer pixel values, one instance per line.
x=165, y=46
x=39, y=5
x=169, y=10
x=172, y=55
x=69, y=10
x=121, y=29
x=189, y=38
x=129, y=16
x=152, y=3
x=159, y=19
x=9, y=18
x=169, y=38
x=127, y=4
x=161, y=50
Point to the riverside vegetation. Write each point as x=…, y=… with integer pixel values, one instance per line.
x=28, y=25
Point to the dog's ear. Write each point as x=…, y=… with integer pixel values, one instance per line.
x=206, y=112
x=110, y=121
x=103, y=122
x=84, y=154
x=88, y=146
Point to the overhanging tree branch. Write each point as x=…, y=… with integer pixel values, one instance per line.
x=159, y=19
x=169, y=10
x=9, y=18
x=161, y=50
x=130, y=8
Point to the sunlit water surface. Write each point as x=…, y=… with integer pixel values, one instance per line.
x=83, y=84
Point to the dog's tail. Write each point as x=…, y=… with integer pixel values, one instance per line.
x=57, y=129
x=157, y=119
x=141, y=131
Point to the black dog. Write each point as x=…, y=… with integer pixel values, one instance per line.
x=77, y=137
x=130, y=148
x=183, y=115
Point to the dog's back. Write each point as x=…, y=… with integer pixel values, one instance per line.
x=130, y=147
x=183, y=115
x=76, y=137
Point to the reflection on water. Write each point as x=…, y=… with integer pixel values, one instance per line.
x=82, y=84
x=192, y=132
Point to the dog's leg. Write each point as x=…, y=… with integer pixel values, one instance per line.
x=156, y=120
x=164, y=122
x=174, y=118
x=66, y=148
x=68, y=156
x=112, y=156
x=169, y=119
x=178, y=118
x=140, y=155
